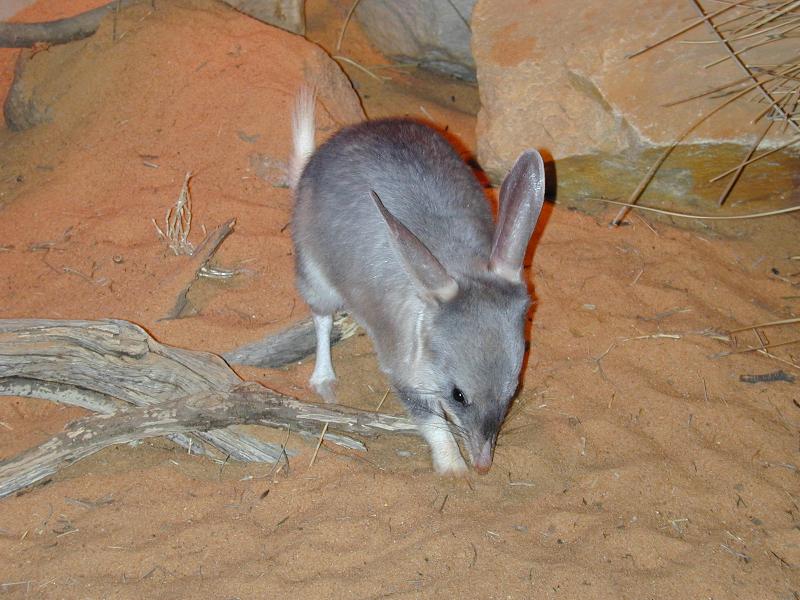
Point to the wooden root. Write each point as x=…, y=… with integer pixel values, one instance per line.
x=103, y=365
x=290, y=345
x=62, y=31
x=202, y=255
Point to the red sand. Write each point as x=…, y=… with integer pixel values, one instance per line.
x=633, y=465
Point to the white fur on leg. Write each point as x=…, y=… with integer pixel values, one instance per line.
x=323, y=378
x=446, y=456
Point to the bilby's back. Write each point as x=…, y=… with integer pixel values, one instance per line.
x=392, y=226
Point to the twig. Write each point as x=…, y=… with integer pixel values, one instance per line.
x=319, y=443
x=726, y=44
x=779, y=359
x=83, y=25
x=597, y=360
x=377, y=408
x=770, y=213
x=724, y=195
x=114, y=25
x=707, y=92
x=205, y=251
x=767, y=324
x=770, y=15
x=289, y=345
x=754, y=159
x=737, y=554
x=756, y=349
x=345, y=24
x=690, y=26
x=350, y=61
x=760, y=85
x=634, y=197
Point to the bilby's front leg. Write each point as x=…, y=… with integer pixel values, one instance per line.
x=446, y=456
x=323, y=379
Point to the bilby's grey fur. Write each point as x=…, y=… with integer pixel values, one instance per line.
x=392, y=226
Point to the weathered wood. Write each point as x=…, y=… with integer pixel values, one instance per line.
x=249, y=403
x=82, y=398
x=290, y=345
x=189, y=271
x=287, y=14
x=20, y=110
x=100, y=365
x=25, y=35
x=120, y=360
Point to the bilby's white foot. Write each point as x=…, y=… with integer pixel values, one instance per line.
x=446, y=456
x=323, y=379
x=325, y=388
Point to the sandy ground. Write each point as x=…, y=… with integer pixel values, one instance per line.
x=634, y=464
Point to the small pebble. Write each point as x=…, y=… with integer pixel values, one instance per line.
x=589, y=306
x=521, y=528
x=404, y=453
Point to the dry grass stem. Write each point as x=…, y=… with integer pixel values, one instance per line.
x=754, y=159
x=597, y=360
x=788, y=363
x=178, y=222
x=715, y=90
x=766, y=324
x=361, y=67
x=634, y=197
x=758, y=348
x=377, y=408
x=689, y=27
x=349, y=16
x=319, y=443
x=769, y=213
x=729, y=188
x=736, y=58
x=759, y=26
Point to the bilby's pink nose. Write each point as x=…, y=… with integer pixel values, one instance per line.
x=483, y=461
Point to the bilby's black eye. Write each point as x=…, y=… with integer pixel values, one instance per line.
x=458, y=396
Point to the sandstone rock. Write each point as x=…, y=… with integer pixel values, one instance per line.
x=286, y=14
x=434, y=33
x=554, y=75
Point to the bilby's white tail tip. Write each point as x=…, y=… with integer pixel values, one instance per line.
x=302, y=133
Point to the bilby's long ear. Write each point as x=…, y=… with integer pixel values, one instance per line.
x=434, y=282
x=521, y=199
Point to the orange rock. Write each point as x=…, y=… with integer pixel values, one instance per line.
x=555, y=75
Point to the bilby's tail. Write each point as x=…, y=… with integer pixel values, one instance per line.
x=302, y=133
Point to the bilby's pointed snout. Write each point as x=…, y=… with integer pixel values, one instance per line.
x=483, y=460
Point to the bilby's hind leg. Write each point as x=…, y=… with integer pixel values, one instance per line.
x=323, y=379
x=324, y=301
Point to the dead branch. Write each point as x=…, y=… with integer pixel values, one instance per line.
x=82, y=398
x=245, y=404
x=81, y=362
x=62, y=31
x=20, y=110
x=290, y=345
x=189, y=271
x=99, y=364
